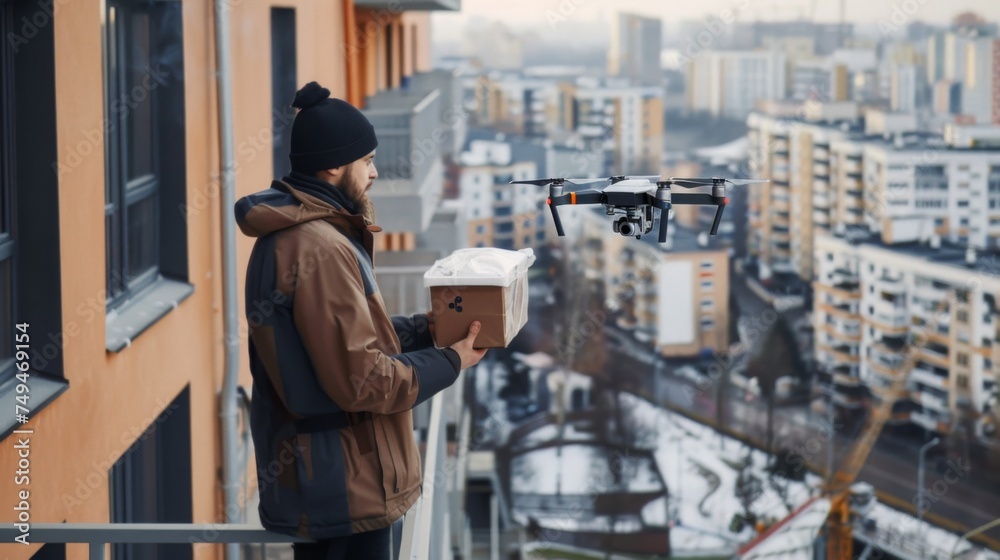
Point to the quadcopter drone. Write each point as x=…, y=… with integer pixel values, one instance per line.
x=633, y=199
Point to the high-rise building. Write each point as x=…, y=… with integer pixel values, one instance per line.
x=979, y=86
x=730, y=83
x=935, y=57
x=636, y=43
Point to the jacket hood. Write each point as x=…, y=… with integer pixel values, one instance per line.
x=282, y=206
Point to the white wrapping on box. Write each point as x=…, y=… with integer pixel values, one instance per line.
x=484, y=266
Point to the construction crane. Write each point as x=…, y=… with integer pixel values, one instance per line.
x=840, y=542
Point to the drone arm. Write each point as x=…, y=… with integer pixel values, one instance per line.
x=693, y=198
x=586, y=197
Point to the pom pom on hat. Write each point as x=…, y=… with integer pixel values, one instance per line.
x=311, y=94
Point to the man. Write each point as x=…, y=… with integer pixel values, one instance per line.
x=334, y=376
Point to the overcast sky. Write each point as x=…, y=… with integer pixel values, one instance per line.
x=545, y=12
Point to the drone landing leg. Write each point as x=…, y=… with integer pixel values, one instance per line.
x=556, y=220
x=664, y=222
x=718, y=218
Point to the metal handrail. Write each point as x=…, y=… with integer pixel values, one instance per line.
x=417, y=537
x=97, y=535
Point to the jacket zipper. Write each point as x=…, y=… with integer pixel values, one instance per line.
x=392, y=459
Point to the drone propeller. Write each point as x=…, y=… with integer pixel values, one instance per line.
x=557, y=181
x=694, y=182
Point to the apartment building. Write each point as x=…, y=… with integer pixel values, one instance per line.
x=872, y=299
x=674, y=295
x=110, y=241
x=802, y=159
x=497, y=213
x=916, y=186
x=833, y=175
x=636, y=42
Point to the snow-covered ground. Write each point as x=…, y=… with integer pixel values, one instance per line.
x=701, y=469
x=577, y=469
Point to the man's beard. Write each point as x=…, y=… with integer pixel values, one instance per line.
x=367, y=208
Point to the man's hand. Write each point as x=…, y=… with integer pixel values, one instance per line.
x=470, y=356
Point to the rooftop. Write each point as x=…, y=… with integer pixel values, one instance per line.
x=946, y=253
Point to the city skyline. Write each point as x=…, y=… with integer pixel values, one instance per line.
x=553, y=13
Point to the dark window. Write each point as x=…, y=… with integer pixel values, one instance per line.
x=8, y=312
x=151, y=482
x=30, y=171
x=144, y=148
x=388, y=56
x=993, y=180
x=51, y=551
x=284, y=83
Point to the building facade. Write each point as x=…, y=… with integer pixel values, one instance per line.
x=110, y=242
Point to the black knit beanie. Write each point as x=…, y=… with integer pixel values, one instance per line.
x=327, y=133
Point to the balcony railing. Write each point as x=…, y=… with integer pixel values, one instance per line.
x=928, y=378
x=99, y=535
x=425, y=528
x=424, y=532
x=933, y=402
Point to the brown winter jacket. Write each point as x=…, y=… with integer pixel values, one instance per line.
x=335, y=377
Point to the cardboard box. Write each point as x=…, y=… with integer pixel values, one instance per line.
x=485, y=284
